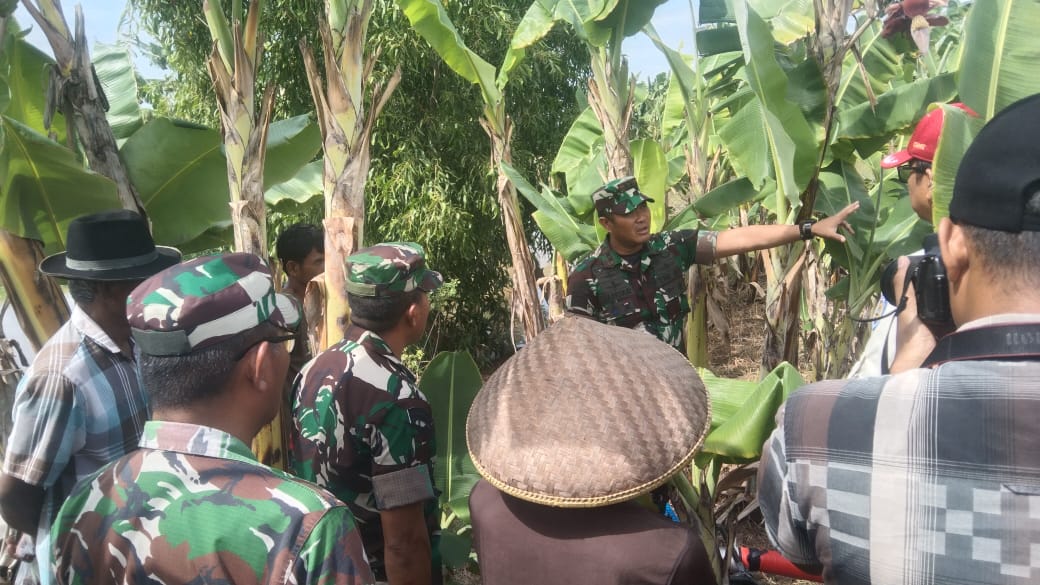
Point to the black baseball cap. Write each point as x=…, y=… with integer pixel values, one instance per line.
x=1001, y=171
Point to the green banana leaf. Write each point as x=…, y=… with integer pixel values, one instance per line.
x=713, y=41
x=1001, y=52
x=582, y=160
x=300, y=191
x=115, y=69
x=651, y=170
x=897, y=109
x=429, y=19
x=181, y=175
x=959, y=130
x=27, y=78
x=43, y=186
x=792, y=150
x=557, y=221
x=718, y=201
x=537, y=23
x=743, y=413
x=450, y=383
x=633, y=15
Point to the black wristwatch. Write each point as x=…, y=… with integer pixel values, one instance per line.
x=805, y=229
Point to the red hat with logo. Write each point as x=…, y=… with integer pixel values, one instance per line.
x=924, y=140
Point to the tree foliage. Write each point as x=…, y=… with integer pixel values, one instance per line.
x=430, y=180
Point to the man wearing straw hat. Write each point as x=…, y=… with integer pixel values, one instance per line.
x=80, y=405
x=637, y=279
x=932, y=475
x=362, y=429
x=569, y=454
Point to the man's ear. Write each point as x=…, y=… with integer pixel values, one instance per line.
x=258, y=365
x=954, y=247
x=291, y=268
x=604, y=220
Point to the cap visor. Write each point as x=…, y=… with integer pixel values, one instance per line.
x=895, y=159
x=431, y=281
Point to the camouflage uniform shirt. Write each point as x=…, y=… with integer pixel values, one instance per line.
x=193, y=505
x=647, y=291
x=364, y=431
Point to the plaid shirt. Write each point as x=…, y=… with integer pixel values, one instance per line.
x=79, y=406
x=928, y=476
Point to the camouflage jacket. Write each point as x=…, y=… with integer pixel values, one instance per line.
x=364, y=431
x=648, y=292
x=193, y=505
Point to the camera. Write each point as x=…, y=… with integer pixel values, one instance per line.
x=931, y=287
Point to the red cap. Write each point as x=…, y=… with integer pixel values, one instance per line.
x=924, y=140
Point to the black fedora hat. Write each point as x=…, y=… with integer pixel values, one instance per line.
x=110, y=245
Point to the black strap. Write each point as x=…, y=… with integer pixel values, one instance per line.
x=1018, y=341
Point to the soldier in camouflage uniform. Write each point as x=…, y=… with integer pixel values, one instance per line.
x=193, y=504
x=361, y=427
x=637, y=279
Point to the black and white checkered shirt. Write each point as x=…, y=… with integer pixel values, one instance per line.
x=929, y=476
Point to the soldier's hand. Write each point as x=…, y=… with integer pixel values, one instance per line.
x=828, y=227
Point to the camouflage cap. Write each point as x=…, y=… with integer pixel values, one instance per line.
x=388, y=269
x=201, y=302
x=621, y=196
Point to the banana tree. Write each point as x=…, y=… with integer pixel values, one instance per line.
x=431, y=21
x=346, y=129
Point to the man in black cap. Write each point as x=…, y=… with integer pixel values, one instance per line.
x=80, y=405
x=933, y=475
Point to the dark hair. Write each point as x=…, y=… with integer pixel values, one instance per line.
x=84, y=292
x=179, y=381
x=297, y=241
x=1007, y=256
x=379, y=314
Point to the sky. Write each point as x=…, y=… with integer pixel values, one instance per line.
x=672, y=21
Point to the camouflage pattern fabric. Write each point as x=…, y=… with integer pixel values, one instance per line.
x=364, y=431
x=204, y=301
x=192, y=505
x=388, y=269
x=620, y=196
x=651, y=307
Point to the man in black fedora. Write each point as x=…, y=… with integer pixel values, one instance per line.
x=80, y=406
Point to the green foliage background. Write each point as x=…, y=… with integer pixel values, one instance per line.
x=430, y=181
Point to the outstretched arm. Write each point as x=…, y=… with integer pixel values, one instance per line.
x=758, y=237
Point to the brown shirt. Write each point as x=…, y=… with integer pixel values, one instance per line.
x=519, y=543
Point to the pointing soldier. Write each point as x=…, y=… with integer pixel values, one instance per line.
x=193, y=502
x=362, y=429
x=637, y=279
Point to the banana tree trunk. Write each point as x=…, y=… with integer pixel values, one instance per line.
x=37, y=300
x=610, y=96
x=784, y=271
x=346, y=130
x=525, y=289
x=76, y=91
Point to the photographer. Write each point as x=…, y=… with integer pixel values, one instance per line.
x=914, y=168
x=932, y=475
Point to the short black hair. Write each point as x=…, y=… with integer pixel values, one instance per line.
x=1012, y=258
x=297, y=241
x=379, y=314
x=182, y=380
x=84, y=292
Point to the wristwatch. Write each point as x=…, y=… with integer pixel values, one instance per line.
x=805, y=229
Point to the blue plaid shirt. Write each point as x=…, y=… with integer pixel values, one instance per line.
x=79, y=407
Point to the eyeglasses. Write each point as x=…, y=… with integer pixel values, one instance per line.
x=905, y=171
x=289, y=341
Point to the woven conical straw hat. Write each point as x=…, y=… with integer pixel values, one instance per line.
x=587, y=415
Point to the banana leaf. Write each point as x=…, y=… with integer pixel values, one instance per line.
x=743, y=413
x=450, y=383
x=115, y=69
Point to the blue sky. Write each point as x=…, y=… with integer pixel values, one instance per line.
x=672, y=21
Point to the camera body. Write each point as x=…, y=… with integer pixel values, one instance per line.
x=931, y=286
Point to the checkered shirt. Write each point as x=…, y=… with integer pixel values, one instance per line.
x=928, y=476
x=79, y=406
